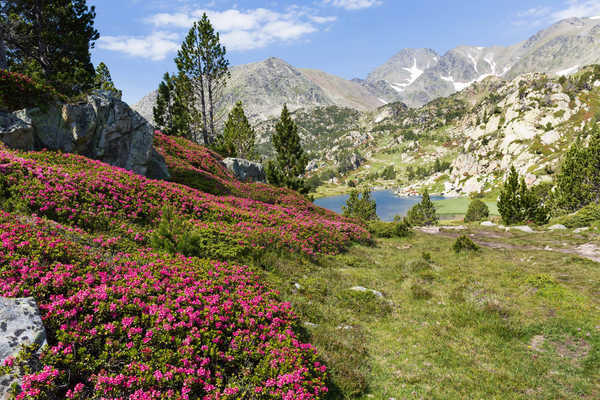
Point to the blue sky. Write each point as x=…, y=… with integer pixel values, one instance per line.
x=349, y=38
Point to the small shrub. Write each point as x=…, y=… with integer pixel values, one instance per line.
x=477, y=211
x=587, y=216
x=426, y=256
x=388, y=230
x=418, y=292
x=463, y=243
x=418, y=265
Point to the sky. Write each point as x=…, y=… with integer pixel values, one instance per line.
x=348, y=38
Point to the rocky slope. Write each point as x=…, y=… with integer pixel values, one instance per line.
x=463, y=143
x=418, y=76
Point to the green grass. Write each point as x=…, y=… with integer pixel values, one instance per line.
x=492, y=324
x=459, y=205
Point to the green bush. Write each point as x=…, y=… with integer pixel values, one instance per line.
x=463, y=243
x=388, y=173
x=361, y=206
x=19, y=91
x=477, y=211
x=423, y=213
x=176, y=235
x=518, y=204
x=587, y=216
x=418, y=292
x=382, y=229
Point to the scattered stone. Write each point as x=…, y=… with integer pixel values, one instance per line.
x=579, y=230
x=488, y=223
x=557, y=227
x=523, y=228
x=430, y=229
x=298, y=286
x=310, y=324
x=20, y=325
x=363, y=289
x=537, y=343
x=245, y=170
x=454, y=228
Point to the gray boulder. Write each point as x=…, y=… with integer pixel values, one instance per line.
x=15, y=133
x=103, y=128
x=245, y=170
x=20, y=325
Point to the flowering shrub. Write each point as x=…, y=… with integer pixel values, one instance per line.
x=143, y=325
x=198, y=167
x=98, y=197
x=18, y=91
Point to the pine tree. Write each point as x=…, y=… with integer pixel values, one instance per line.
x=171, y=112
x=290, y=162
x=103, y=80
x=423, y=213
x=238, y=138
x=518, y=204
x=202, y=61
x=50, y=40
x=361, y=206
x=578, y=182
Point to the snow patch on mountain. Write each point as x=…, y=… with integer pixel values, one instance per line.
x=414, y=71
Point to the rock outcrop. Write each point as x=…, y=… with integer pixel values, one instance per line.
x=102, y=128
x=20, y=325
x=245, y=170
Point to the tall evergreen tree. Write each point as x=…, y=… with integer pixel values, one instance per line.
x=103, y=80
x=238, y=138
x=171, y=112
x=202, y=60
x=50, y=40
x=290, y=162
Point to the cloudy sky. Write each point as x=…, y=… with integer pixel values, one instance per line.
x=349, y=38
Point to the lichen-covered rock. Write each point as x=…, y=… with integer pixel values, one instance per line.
x=20, y=325
x=103, y=128
x=245, y=170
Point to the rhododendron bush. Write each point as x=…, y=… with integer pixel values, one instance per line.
x=97, y=197
x=126, y=321
x=142, y=325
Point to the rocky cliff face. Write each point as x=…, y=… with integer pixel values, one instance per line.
x=103, y=128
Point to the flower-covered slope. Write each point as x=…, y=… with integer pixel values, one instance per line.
x=143, y=325
x=125, y=321
x=97, y=197
x=198, y=167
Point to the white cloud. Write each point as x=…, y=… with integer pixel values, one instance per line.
x=354, y=4
x=537, y=16
x=578, y=8
x=155, y=46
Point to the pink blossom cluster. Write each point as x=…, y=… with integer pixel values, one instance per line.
x=94, y=196
x=143, y=325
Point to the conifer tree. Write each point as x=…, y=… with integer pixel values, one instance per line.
x=578, y=182
x=290, y=162
x=171, y=112
x=238, y=138
x=423, y=213
x=361, y=206
x=202, y=61
x=103, y=80
x=50, y=40
x=517, y=203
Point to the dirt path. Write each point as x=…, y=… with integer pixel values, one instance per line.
x=590, y=251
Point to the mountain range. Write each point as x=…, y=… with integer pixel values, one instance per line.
x=412, y=76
